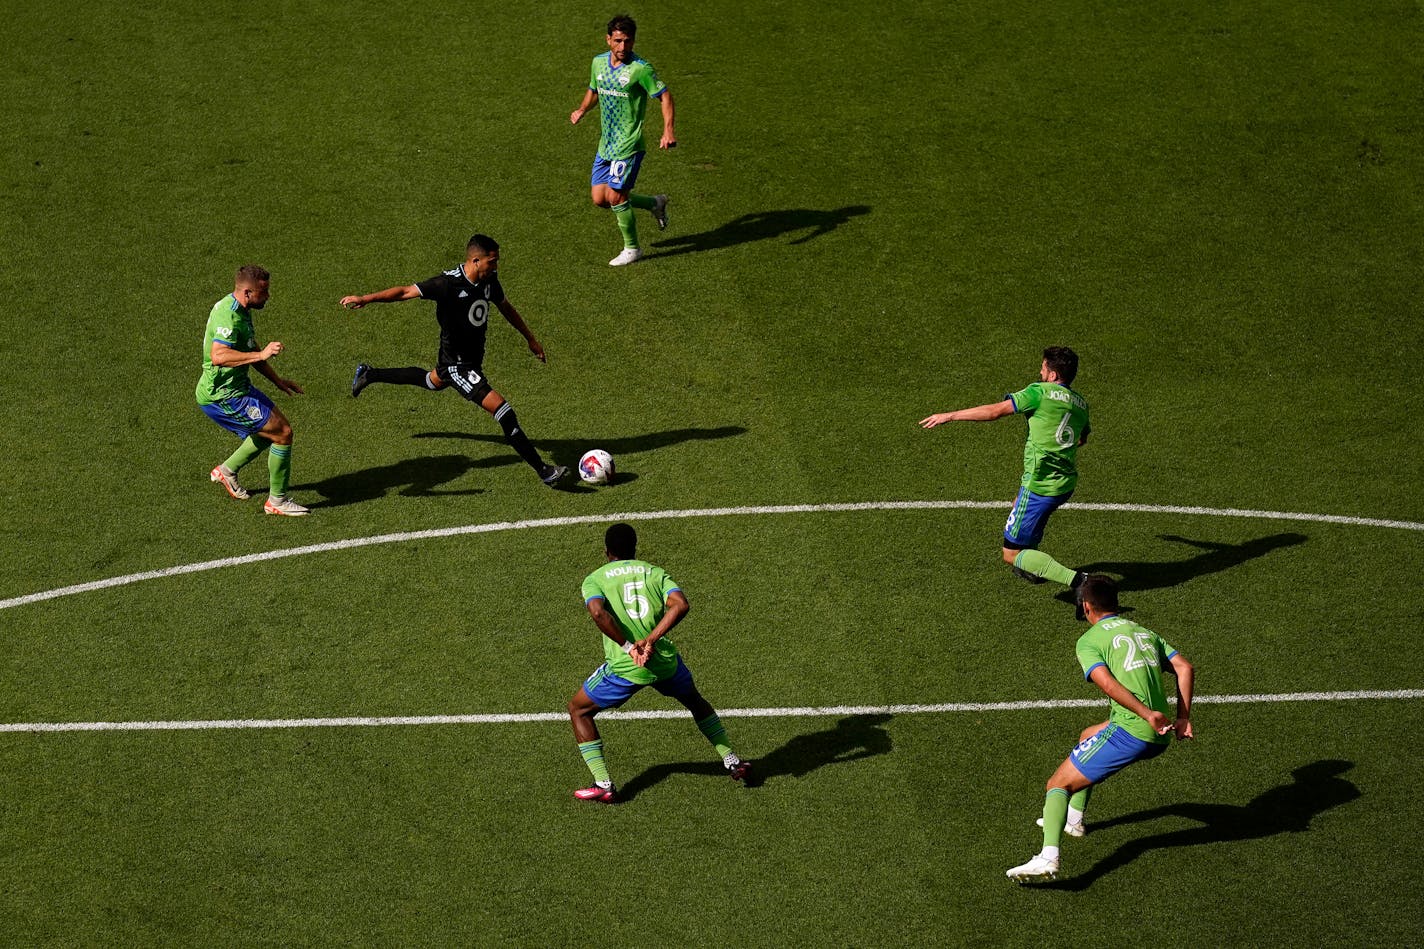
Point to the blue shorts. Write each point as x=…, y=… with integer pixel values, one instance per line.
x=619, y=174
x=242, y=415
x=1024, y=528
x=1109, y=751
x=610, y=691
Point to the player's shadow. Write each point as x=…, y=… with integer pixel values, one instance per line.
x=566, y=451
x=1214, y=558
x=1286, y=809
x=761, y=226
x=853, y=737
x=414, y=477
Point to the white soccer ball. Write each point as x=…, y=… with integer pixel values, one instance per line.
x=596, y=467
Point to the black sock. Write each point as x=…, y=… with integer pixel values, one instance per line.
x=517, y=439
x=409, y=376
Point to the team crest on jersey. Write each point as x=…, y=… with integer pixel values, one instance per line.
x=624, y=78
x=254, y=413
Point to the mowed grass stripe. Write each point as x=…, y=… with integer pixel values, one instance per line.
x=504, y=718
x=753, y=510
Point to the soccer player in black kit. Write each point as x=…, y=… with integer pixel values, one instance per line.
x=463, y=296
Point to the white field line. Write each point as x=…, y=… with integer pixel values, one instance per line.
x=503, y=718
x=498, y=526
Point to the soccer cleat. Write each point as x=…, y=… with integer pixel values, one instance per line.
x=660, y=211
x=1070, y=828
x=741, y=771
x=553, y=474
x=1076, y=587
x=597, y=795
x=284, y=506
x=1037, y=870
x=228, y=481
x=361, y=380
x=1025, y=575
x=628, y=256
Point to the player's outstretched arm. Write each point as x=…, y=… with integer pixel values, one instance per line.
x=979, y=413
x=669, y=139
x=389, y=295
x=1186, y=681
x=589, y=98
x=515, y=320
x=1119, y=693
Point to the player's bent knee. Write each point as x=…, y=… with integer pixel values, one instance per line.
x=1010, y=556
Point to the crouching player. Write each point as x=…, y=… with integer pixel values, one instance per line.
x=1126, y=661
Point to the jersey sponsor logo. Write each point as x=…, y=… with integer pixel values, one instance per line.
x=479, y=313
x=225, y=332
x=613, y=92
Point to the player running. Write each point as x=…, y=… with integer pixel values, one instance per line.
x=621, y=82
x=634, y=604
x=228, y=397
x=463, y=296
x=1057, y=426
x=1126, y=661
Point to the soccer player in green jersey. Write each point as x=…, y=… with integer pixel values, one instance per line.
x=227, y=397
x=1126, y=661
x=1057, y=426
x=634, y=605
x=621, y=83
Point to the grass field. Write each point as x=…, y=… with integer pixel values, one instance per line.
x=877, y=213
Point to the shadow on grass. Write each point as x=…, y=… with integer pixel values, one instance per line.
x=1214, y=558
x=414, y=477
x=1287, y=809
x=761, y=226
x=567, y=451
x=853, y=737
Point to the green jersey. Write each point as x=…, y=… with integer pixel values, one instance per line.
x=229, y=324
x=1057, y=424
x=636, y=593
x=623, y=93
x=1136, y=657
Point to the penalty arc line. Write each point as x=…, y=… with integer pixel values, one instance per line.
x=499, y=526
x=840, y=711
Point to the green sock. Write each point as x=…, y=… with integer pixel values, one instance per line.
x=250, y=448
x=1055, y=813
x=626, y=224
x=1079, y=801
x=592, y=752
x=1040, y=564
x=643, y=202
x=279, y=470
x=711, y=726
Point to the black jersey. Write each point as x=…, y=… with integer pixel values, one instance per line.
x=463, y=310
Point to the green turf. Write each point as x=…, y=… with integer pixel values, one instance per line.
x=878, y=212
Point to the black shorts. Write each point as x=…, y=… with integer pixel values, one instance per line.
x=468, y=380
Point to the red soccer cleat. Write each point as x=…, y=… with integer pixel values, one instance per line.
x=597, y=795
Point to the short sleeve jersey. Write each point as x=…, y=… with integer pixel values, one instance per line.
x=623, y=92
x=1136, y=657
x=462, y=308
x=229, y=324
x=636, y=593
x=1057, y=422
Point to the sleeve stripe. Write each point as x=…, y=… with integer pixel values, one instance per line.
x=223, y=342
x=1088, y=672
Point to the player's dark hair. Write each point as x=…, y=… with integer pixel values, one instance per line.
x=1063, y=361
x=483, y=243
x=251, y=275
x=623, y=23
x=1100, y=592
x=621, y=541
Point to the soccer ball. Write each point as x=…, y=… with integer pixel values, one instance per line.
x=596, y=467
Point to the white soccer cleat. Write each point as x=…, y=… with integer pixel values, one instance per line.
x=1037, y=870
x=628, y=256
x=660, y=211
x=284, y=506
x=228, y=481
x=1070, y=828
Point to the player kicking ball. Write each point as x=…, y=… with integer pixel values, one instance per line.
x=634, y=604
x=463, y=297
x=1126, y=661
